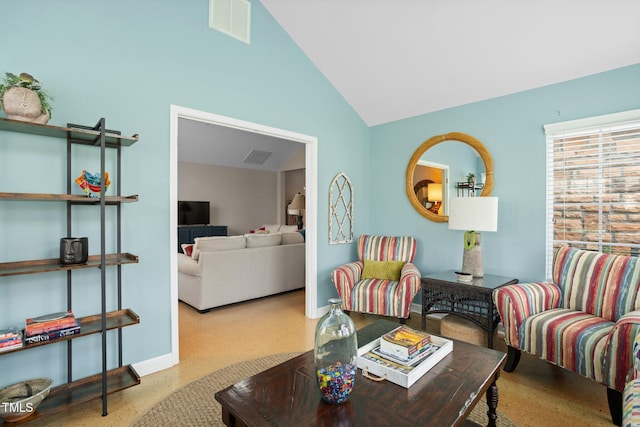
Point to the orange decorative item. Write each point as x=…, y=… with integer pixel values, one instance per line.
x=91, y=183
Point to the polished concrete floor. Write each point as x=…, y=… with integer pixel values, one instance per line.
x=536, y=394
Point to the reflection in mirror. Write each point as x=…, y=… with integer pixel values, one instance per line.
x=436, y=194
x=463, y=158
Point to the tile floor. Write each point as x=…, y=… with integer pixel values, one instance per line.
x=536, y=394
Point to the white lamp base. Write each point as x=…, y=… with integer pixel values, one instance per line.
x=472, y=258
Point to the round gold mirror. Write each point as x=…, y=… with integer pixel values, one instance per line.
x=464, y=186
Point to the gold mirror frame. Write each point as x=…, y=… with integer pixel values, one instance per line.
x=417, y=155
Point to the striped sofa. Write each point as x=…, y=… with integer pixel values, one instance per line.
x=585, y=321
x=631, y=393
x=375, y=295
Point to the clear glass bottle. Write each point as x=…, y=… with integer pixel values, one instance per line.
x=335, y=354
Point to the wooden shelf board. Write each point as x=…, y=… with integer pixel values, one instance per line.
x=92, y=325
x=74, y=198
x=77, y=135
x=53, y=264
x=84, y=390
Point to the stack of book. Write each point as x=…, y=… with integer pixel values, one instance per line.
x=403, y=348
x=50, y=327
x=403, y=355
x=10, y=339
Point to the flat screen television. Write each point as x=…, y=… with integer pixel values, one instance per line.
x=193, y=213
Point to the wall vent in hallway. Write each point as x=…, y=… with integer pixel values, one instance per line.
x=232, y=17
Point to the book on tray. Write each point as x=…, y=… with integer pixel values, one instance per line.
x=404, y=342
x=374, y=359
x=381, y=357
x=10, y=339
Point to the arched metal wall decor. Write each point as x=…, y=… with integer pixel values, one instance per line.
x=340, y=210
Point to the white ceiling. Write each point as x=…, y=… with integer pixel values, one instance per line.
x=393, y=59
x=200, y=142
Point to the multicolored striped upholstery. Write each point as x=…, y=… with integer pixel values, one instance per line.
x=631, y=394
x=378, y=296
x=584, y=321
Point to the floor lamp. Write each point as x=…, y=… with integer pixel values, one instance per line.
x=473, y=214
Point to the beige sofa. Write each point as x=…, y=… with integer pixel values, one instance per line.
x=226, y=270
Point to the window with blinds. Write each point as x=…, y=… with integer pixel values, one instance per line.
x=593, y=184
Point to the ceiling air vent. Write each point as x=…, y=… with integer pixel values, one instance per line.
x=232, y=17
x=257, y=157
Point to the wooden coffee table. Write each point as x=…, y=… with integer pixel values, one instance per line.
x=287, y=395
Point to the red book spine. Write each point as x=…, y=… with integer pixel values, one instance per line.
x=33, y=327
x=10, y=342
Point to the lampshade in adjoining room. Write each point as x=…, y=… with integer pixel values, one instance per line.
x=297, y=204
x=473, y=213
x=434, y=192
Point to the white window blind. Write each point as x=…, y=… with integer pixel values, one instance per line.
x=593, y=185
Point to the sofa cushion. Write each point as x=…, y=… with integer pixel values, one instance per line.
x=188, y=265
x=217, y=243
x=288, y=229
x=262, y=240
x=271, y=228
x=388, y=270
x=604, y=285
x=291, y=238
x=571, y=339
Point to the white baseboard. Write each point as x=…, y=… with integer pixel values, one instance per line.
x=156, y=364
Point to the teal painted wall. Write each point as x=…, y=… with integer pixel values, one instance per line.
x=511, y=127
x=128, y=62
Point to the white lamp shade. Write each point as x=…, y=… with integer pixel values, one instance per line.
x=434, y=192
x=297, y=204
x=473, y=213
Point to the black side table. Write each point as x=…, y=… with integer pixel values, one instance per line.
x=444, y=293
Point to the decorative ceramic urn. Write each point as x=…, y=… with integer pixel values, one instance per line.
x=23, y=104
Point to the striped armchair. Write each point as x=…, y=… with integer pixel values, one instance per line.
x=585, y=321
x=375, y=295
x=631, y=393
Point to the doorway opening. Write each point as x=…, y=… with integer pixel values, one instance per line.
x=311, y=153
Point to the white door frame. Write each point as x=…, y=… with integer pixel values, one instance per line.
x=311, y=190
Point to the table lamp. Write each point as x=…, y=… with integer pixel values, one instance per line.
x=296, y=207
x=473, y=214
x=434, y=195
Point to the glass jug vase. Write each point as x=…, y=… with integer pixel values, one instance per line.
x=335, y=354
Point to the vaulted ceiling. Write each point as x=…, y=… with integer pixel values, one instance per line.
x=394, y=59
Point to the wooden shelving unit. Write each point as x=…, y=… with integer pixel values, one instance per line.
x=92, y=325
x=108, y=381
x=53, y=264
x=81, y=200
x=68, y=395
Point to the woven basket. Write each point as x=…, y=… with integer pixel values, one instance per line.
x=459, y=328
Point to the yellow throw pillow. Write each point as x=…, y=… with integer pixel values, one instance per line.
x=388, y=270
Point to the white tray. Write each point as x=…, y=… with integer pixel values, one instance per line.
x=401, y=378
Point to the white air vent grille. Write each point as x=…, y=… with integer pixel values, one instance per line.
x=257, y=157
x=232, y=17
